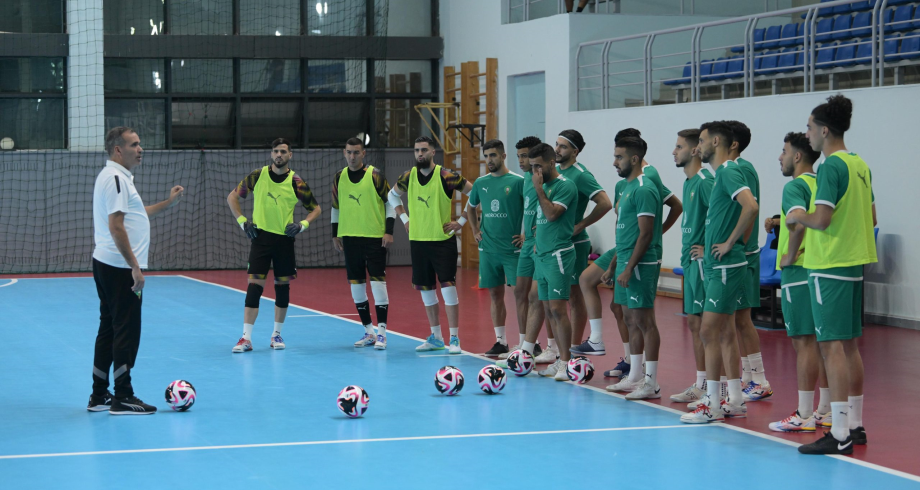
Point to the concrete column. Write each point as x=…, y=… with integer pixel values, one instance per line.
x=85, y=97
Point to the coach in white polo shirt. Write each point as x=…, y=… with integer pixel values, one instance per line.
x=122, y=235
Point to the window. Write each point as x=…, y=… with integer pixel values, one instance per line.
x=201, y=17
x=398, y=123
x=264, y=121
x=32, y=75
x=406, y=18
x=134, y=17
x=332, y=122
x=146, y=116
x=270, y=17
x=337, y=76
x=405, y=77
x=202, y=76
x=202, y=124
x=32, y=16
x=337, y=18
x=270, y=76
x=134, y=76
x=33, y=124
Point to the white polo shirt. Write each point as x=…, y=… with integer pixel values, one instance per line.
x=114, y=191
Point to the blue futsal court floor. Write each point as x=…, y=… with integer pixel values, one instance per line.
x=268, y=419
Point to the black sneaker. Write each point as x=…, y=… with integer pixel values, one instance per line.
x=498, y=348
x=858, y=435
x=828, y=445
x=537, y=350
x=100, y=403
x=131, y=406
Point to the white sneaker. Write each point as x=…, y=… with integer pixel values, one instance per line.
x=645, y=391
x=277, y=343
x=703, y=414
x=510, y=350
x=561, y=373
x=626, y=385
x=430, y=344
x=823, y=419
x=454, y=347
x=692, y=405
x=366, y=341
x=729, y=409
x=794, y=423
x=547, y=356
x=691, y=394
x=381, y=343
x=552, y=369
x=242, y=345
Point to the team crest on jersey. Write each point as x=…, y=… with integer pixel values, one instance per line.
x=507, y=190
x=539, y=212
x=495, y=205
x=691, y=194
x=527, y=202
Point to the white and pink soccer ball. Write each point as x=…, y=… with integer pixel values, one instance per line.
x=520, y=362
x=491, y=379
x=579, y=369
x=352, y=401
x=448, y=380
x=180, y=395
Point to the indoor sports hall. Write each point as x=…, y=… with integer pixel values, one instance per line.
x=205, y=95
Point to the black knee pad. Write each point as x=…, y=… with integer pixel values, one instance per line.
x=282, y=295
x=253, y=294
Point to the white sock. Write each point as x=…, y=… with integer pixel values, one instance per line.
x=499, y=335
x=712, y=391
x=521, y=339
x=247, y=331
x=840, y=427
x=806, y=403
x=745, y=371
x=734, y=391
x=436, y=331
x=651, y=372
x=642, y=359
x=550, y=343
x=758, y=375
x=455, y=331
x=528, y=346
x=856, y=411
x=369, y=329
x=597, y=333
x=278, y=327
x=626, y=351
x=723, y=379
x=635, y=375
x=382, y=329
x=824, y=400
x=700, y=379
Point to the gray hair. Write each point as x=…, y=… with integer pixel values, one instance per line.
x=115, y=137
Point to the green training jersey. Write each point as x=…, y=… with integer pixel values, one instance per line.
x=753, y=182
x=697, y=190
x=531, y=203
x=618, y=193
x=640, y=198
x=833, y=180
x=651, y=173
x=557, y=235
x=587, y=187
x=502, y=200
x=723, y=215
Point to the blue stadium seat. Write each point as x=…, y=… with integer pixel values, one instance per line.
x=705, y=70
x=901, y=20
x=825, y=55
x=735, y=67
x=823, y=30
x=719, y=68
x=841, y=27
x=842, y=9
x=787, y=37
x=758, y=37
x=768, y=63
x=786, y=62
x=886, y=19
x=860, y=6
x=769, y=276
x=916, y=23
x=898, y=2
x=845, y=53
x=771, y=38
x=825, y=11
x=891, y=47
x=910, y=48
x=685, y=77
x=864, y=52
x=862, y=24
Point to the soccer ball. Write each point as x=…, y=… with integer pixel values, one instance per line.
x=520, y=362
x=180, y=395
x=449, y=380
x=491, y=379
x=580, y=369
x=352, y=401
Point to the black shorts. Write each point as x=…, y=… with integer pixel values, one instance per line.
x=430, y=259
x=364, y=256
x=269, y=250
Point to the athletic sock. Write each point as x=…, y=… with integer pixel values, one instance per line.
x=758, y=374
x=521, y=339
x=597, y=334
x=713, y=388
x=734, y=391
x=651, y=372
x=499, y=335
x=364, y=313
x=723, y=386
x=626, y=351
x=382, y=329
x=247, y=331
x=824, y=400
x=856, y=411
x=635, y=375
x=382, y=311
x=528, y=346
x=840, y=426
x=369, y=329
x=806, y=403
x=436, y=331
x=700, y=379
x=278, y=327
x=745, y=371
x=550, y=343
x=454, y=332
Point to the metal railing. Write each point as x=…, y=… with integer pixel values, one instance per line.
x=520, y=11
x=806, y=57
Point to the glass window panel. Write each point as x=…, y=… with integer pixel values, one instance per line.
x=32, y=16
x=33, y=124
x=404, y=18
x=270, y=76
x=337, y=18
x=332, y=122
x=134, y=17
x=202, y=76
x=134, y=76
x=200, y=17
x=405, y=77
x=398, y=123
x=25, y=75
x=264, y=121
x=202, y=124
x=146, y=116
x=270, y=17
x=337, y=76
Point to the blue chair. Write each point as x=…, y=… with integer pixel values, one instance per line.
x=845, y=53
x=706, y=70
x=901, y=20
x=823, y=30
x=685, y=77
x=787, y=37
x=771, y=38
x=910, y=47
x=735, y=67
x=862, y=24
x=770, y=278
x=886, y=19
x=824, y=56
x=864, y=52
x=841, y=27
x=768, y=62
x=860, y=6
x=758, y=37
x=786, y=62
x=825, y=11
x=842, y=9
x=898, y=2
x=719, y=68
x=891, y=47
x=916, y=23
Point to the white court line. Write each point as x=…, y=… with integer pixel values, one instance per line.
x=308, y=316
x=12, y=281
x=345, y=441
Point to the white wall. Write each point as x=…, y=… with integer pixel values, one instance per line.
x=883, y=130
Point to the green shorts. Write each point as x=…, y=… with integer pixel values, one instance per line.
x=797, y=314
x=526, y=265
x=836, y=302
x=581, y=260
x=723, y=288
x=554, y=274
x=604, y=260
x=497, y=269
x=642, y=288
x=694, y=291
x=750, y=290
